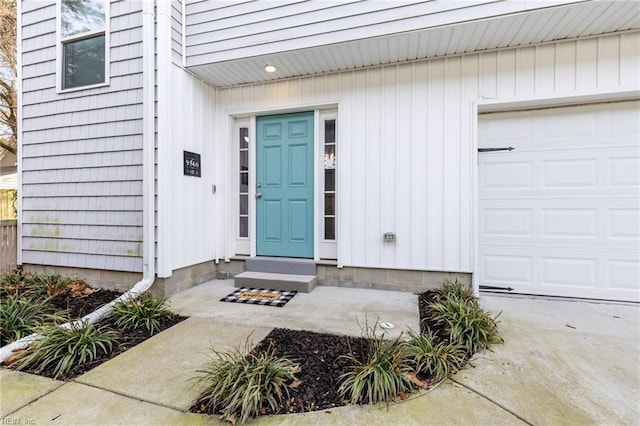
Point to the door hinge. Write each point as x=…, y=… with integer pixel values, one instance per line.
x=493, y=287
x=495, y=149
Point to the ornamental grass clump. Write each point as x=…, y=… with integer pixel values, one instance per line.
x=383, y=376
x=465, y=323
x=20, y=317
x=431, y=359
x=240, y=386
x=28, y=286
x=454, y=288
x=144, y=312
x=59, y=349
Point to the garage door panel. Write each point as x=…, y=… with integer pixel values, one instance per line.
x=624, y=224
x=507, y=222
x=570, y=173
x=624, y=172
x=560, y=215
x=562, y=272
x=569, y=272
x=500, y=176
x=623, y=275
x=569, y=223
x=559, y=126
x=503, y=268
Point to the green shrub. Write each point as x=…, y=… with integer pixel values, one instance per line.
x=10, y=284
x=240, y=386
x=20, y=317
x=60, y=348
x=466, y=323
x=432, y=359
x=34, y=286
x=145, y=311
x=454, y=288
x=381, y=377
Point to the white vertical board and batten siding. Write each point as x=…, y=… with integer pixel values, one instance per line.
x=406, y=138
x=82, y=151
x=192, y=203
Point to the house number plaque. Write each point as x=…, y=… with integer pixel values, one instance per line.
x=191, y=164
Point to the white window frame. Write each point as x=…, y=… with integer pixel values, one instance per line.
x=76, y=37
x=327, y=249
x=243, y=244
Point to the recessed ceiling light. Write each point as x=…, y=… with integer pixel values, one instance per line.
x=270, y=68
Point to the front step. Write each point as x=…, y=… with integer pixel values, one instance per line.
x=276, y=281
x=279, y=265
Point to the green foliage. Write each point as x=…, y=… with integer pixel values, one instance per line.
x=145, y=311
x=454, y=288
x=467, y=323
x=240, y=386
x=60, y=348
x=20, y=317
x=10, y=284
x=433, y=359
x=35, y=286
x=381, y=377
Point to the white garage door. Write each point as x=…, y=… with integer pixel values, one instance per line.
x=560, y=214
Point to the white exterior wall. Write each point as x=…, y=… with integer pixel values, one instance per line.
x=406, y=139
x=192, y=203
x=82, y=150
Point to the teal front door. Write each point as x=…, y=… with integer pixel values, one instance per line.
x=284, y=180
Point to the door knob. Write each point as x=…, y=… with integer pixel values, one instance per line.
x=258, y=195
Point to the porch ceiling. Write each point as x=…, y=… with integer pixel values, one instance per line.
x=511, y=30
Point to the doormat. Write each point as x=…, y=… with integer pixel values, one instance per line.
x=260, y=296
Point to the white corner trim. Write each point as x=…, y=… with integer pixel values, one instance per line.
x=164, y=133
x=475, y=244
x=148, y=141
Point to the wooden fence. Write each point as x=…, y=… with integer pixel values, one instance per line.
x=8, y=245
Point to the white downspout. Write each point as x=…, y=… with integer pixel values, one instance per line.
x=148, y=183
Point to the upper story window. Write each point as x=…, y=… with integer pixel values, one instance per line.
x=83, y=43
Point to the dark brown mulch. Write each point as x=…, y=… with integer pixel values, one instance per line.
x=127, y=340
x=79, y=306
x=321, y=361
x=319, y=356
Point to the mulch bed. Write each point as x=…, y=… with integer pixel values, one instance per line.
x=79, y=306
x=128, y=339
x=321, y=364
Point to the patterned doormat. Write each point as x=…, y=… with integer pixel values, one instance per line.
x=260, y=296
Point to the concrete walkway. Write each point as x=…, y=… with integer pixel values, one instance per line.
x=563, y=362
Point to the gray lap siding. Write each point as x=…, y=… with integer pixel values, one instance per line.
x=82, y=150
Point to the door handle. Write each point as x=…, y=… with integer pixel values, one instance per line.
x=258, y=194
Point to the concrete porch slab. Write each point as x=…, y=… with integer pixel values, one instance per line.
x=326, y=310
